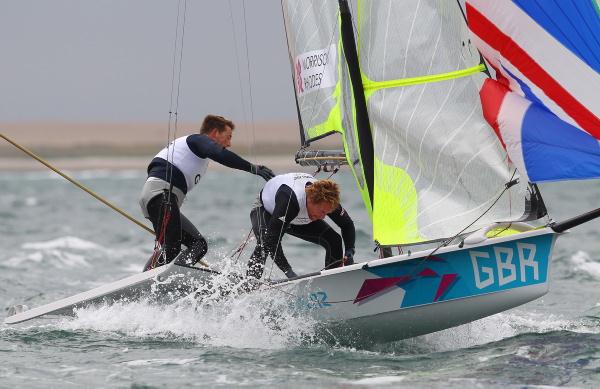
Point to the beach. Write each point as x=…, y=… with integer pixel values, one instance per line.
x=84, y=146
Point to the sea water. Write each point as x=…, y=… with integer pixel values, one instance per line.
x=56, y=240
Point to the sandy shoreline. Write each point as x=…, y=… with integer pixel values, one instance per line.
x=279, y=163
x=118, y=146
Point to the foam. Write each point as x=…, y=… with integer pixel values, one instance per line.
x=58, y=259
x=54, y=253
x=239, y=324
x=240, y=321
x=71, y=252
x=378, y=381
x=500, y=326
x=70, y=242
x=31, y=201
x=160, y=362
x=585, y=264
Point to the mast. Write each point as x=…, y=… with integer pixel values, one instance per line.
x=363, y=125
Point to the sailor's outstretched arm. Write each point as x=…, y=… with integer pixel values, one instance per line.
x=204, y=147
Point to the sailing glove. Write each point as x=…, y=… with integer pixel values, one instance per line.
x=263, y=171
x=290, y=273
x=349, y=257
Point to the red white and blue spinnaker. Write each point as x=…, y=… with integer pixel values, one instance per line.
x=544, y=102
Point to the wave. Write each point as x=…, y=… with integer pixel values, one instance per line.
x=70, y=242
x=160, y=362
x=241, y=323
x=70, y=252
x=78, y=174
x=266, y=322
x=491, y=329
x=585, y=264
x=237, y=320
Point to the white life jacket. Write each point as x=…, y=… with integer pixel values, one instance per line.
x=296, y=181
x=180, y=155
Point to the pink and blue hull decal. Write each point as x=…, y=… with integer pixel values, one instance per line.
x=462, y=274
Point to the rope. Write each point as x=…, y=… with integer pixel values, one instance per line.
x=160, y=257
x=166, y=211
x=248, y=73
x=239, y=71
x=449, y=240
x=175, y=93
x=240, y=249
x=77, y=184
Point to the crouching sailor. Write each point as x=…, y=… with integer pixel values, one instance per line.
x=296, y=204
x=174, y=172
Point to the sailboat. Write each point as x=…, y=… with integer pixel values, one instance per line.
x=449, y=114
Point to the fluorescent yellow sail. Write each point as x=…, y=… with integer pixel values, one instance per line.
x=437, y=164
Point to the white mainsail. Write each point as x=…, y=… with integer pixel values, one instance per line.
x=313, y=35
x=438, y=164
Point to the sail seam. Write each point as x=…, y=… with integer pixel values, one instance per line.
x=375, y=85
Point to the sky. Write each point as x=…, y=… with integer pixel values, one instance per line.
x=112, y=60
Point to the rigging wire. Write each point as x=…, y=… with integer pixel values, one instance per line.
x=248, y=73
x=252, y=119
x=175, y=91
x=421, y=261
x=237, y=65
x=245, y=107
x=446, y=242
x=160, y=255
x=253, y=152
x=179, y=73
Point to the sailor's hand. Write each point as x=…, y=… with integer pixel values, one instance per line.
x=290, y=273
x=263, y=171
x=349, y=257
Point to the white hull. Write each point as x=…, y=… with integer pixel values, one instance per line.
x=164, y=283
x=381, y=300
x=408, y=323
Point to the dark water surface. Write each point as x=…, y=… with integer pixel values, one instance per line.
x=56, y=241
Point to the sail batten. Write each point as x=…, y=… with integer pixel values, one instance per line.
x=376, y=85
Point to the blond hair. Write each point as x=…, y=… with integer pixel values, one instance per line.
x=324, y=191
x=213, y=121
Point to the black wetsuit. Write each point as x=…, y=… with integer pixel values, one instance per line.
x=269, y=229
x=178, y=228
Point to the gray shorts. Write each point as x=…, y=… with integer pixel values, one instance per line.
x=154, y=187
